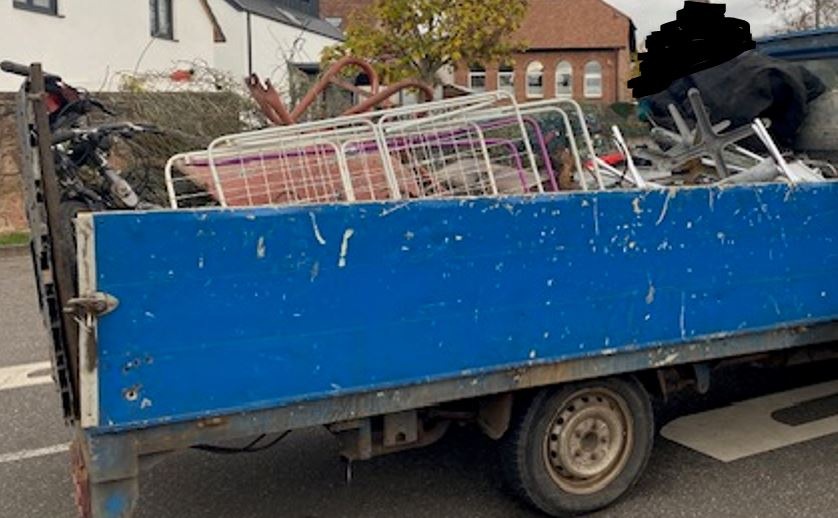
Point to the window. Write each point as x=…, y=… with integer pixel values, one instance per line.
x=41, y=6
x=161, y=19
x=593, y=79
x=506, y=79
x=477, y=78
x=564, y=80
x=535, y=79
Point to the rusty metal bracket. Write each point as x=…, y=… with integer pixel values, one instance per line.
x=401, y=428
x=54, y=280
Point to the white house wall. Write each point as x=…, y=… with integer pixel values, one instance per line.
x=91, y=41
x=232, y=54
x=274, y=45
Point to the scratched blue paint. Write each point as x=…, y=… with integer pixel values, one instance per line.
x=229, y=310
x=116, y=504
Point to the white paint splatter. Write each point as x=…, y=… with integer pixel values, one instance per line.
x=344, y=247
x=596, y=216
x=146, y=403
x=683, y=317
x=387, y=212
x=671, y=193
x=533, y=354
x=261, y=250
x=635, y=205
x=650, y=295
x=317, y=235
x=666, y=361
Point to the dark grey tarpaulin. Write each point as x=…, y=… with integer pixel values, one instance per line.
x=748, y=86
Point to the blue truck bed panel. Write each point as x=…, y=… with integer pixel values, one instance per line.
x=222, y=311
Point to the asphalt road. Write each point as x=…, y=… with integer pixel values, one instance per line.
x=458, y=477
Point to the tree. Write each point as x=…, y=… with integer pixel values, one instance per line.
x=805, y=14
x=417, y=38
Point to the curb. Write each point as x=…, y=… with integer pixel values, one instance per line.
x=14, y=251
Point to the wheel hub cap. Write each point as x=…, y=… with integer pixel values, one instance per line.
x=588, y=441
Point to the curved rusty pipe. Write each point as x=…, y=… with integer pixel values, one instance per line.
x=389, y=92
x=326, y=79
x=269, y=101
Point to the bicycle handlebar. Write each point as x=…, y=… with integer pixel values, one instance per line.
x=22, y=70
x=123, y=128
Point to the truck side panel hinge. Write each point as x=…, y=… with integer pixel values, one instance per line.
x=94, y=304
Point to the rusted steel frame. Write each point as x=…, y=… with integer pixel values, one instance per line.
x=325, y=81
x=358, y=91
x=269, y=101
x=271, y=104
x=52, y=201
x=351, y=407
x=390, y=91
x=41, y=254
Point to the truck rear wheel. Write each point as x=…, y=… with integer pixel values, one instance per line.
x=579, y=447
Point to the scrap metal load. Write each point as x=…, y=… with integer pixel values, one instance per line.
x=479, y=145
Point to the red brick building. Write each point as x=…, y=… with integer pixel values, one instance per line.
x=575, y=48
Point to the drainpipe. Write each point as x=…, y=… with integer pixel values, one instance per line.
x=249, y=46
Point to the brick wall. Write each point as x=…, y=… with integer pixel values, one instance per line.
x=12, y=217
x=569, y=24
x=342, y=9
x=575, y=28
x=614, y=75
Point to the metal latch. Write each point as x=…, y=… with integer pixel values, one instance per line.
x=94, y=304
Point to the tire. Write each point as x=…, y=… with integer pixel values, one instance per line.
x=579, y=447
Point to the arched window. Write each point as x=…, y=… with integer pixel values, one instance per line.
x=564, y=80
x=506, y=79
x=477, y=78
x=535, y=79
x=593, y=79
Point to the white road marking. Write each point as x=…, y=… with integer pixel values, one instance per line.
x=747, y=428
x=33, y=454
x=18, y=376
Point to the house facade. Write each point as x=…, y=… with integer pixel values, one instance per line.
x=92, y=43
x=574, y=48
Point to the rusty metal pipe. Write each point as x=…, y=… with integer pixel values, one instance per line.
x=269, y=101
x=325, y=81
x=389, y=92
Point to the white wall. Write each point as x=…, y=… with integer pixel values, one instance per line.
x=274, y=46
x=92, y=40
x=232, y=54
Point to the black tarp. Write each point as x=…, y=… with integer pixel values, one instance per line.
x=748, y=86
